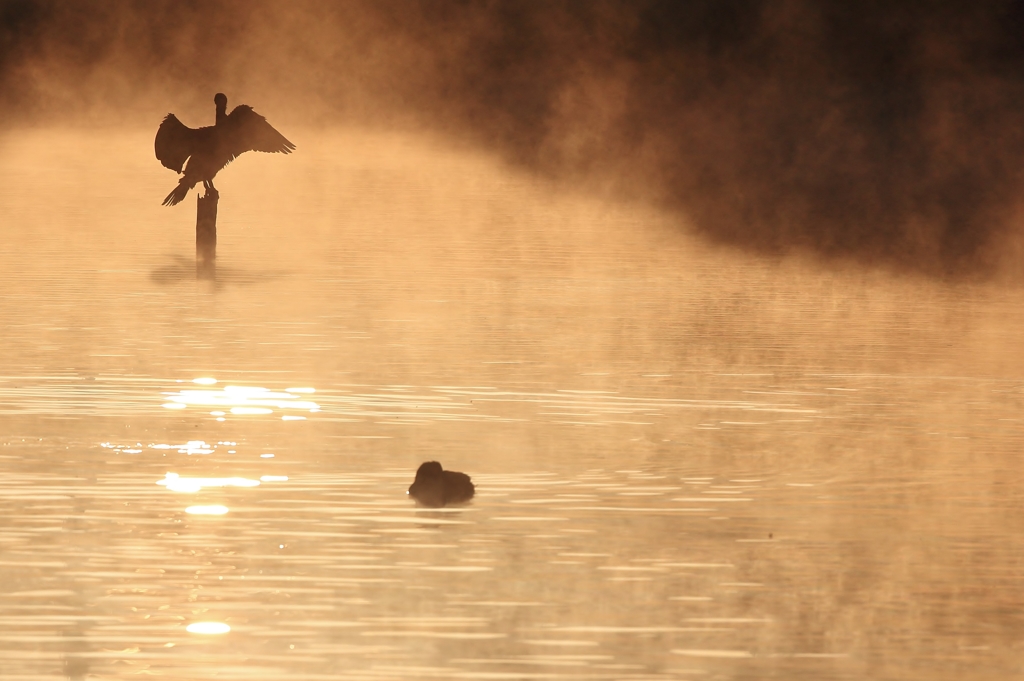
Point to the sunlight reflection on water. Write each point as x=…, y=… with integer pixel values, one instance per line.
x=242, y=400
x=688, y=463
x=176, y=483
x=215, y=509
x=208, y=628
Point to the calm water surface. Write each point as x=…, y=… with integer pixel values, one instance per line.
x=690, y=463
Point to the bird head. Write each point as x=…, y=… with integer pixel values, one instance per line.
x=221, y=100
x=429, y=470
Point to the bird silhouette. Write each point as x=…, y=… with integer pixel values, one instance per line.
x=435, y=487
x=209, y=149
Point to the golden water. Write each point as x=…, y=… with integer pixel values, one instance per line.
x=690, y=463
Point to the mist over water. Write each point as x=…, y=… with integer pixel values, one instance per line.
x=882, y=133
x=689, y=461
x=717, y=304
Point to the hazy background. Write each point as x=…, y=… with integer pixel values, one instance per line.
x=876, y=132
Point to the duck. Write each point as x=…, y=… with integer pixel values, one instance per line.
x=435, y=487
x=207, y=150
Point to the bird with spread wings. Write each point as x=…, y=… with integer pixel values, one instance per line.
x=207, y=150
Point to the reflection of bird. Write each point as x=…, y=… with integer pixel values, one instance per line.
x=209, y=149
x=435, y=487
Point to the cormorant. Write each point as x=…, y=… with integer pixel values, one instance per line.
x=209, y=149
x=435, y=487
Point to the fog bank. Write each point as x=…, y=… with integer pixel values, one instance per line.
x=882, y=133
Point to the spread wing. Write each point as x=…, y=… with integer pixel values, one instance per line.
x=175, y=142
x=245, y=130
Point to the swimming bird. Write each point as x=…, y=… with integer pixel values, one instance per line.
x=209, y=149
x=435, y=487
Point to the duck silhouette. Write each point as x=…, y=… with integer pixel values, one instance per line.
x=435, y=487
x=209, y=149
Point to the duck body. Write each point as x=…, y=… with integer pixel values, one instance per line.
x=435, y=487
x=207, y=150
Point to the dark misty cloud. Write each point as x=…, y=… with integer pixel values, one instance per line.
x=885, y=132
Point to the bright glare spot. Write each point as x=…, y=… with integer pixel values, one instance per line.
x=190, y=447
x=274, y=478
x=266, y=456
x=293, y=418
x=251, y=410
x=208, y=628
x=220, y=418
x=176, y=483
x=187, y=486
x=207, y=510
x=239, y=399
x=122, y=449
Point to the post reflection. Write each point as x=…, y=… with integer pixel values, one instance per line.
x=75, y=659
x=206, y=237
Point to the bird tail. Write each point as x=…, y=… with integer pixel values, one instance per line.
x=178, y=195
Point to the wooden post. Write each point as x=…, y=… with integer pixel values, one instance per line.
x=206, y=237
